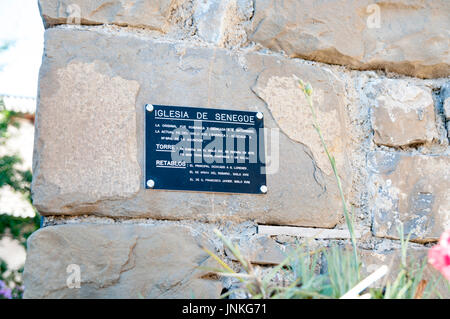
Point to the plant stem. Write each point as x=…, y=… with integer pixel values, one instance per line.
x=338, y=179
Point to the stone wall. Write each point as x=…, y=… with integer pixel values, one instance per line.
x=104, y=60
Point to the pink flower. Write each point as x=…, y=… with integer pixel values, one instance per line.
x=439, y=255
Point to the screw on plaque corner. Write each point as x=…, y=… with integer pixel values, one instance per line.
x=263, y=189
x=151, y=183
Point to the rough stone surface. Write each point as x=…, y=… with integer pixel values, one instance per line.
x=261, y=250
x=402, y=114
x=86, y=146
x=412, y=189
x=209, y=16
x=411, y=36
x=222, y=21
x=150, y=14
x=300, y=191
x=407, y=37
x=104, y=60
x=291, y=111
x=119, y=261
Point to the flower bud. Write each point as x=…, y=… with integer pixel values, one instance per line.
x=308, y=89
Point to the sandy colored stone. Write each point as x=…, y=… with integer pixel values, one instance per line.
x=85, y=142
x=223, y=22
x=411, y=189
x=402, y=114
x=261, y=250
x=150, y=14
x=288, y=105
x=299, y=193
x=119, y=261
x=410, y=37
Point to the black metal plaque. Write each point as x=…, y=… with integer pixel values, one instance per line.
x=203, y=149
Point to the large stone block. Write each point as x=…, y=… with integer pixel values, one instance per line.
x=404, y=36
x=89, y=146
x=409, y=189
x=118, y=261
x=402, y=114
x=150, y=14
x=85, y=135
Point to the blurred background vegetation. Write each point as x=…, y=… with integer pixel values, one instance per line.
x=18, y=180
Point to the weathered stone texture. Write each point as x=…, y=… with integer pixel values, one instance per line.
x=411, y=37
x=89, y=143
x=80, y=126
x=291, y=111
x=86, y=146
x=403, y=114
x=119, y=261
x=261, y=250
x=412, y=189
x=404, y=36
x=150, y=14
x=223, y=22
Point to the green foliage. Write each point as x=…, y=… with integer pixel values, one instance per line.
x=308, y=283
x=18, y=179
x=19, y=228
x=409, y=283
x=342, y=271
